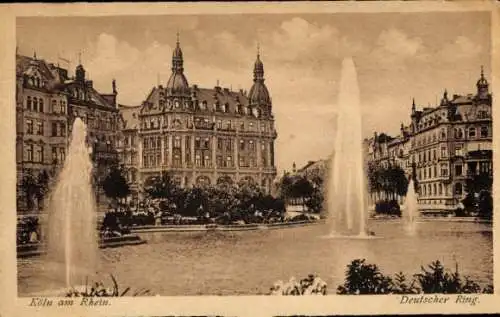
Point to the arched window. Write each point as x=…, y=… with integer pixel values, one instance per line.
x=35, y=104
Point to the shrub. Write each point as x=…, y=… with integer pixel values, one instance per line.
x=362, y=278
x=99, y=290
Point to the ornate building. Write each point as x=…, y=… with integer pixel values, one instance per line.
x=443, y=146
x=47, y=102
x=201, y=135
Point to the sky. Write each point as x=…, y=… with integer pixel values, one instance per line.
x=398, y=56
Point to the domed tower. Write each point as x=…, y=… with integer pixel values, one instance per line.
x=177, y=83
x=259, y=95
x=482, y=86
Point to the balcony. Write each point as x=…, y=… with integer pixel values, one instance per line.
x=204, y=125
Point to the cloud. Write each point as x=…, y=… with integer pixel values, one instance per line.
x=301, y=42
x=394, y=48
x=461, y=48
x=135, y=70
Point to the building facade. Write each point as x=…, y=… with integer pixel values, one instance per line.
x=442, y=147
x=204, y=136
x=47, y=103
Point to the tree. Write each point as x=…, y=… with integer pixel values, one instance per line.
x=478, y=197
x=162, y=187
x=115, y=185
x=30, y=188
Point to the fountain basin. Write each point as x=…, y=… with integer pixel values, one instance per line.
x=36, y=249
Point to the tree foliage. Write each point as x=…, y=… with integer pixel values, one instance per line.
x=115, y=185
x=362, y=278
x=386, y=183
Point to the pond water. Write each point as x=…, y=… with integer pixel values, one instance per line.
x=249, y=262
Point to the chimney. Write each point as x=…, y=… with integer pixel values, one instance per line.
x=217, y=89
x=195, y=87
x=226, y=91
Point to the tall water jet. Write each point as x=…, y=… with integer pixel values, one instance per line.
x=347, y=193
x=71, y=229
x=410, y=211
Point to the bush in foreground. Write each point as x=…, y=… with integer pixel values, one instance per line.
x=362, y=278
x=367, y=279
x=98, y=289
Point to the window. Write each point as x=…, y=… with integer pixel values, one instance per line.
x=242, y=161
x=229, y=161
x=158, y=143
x=443, y=134
x=229, y=124
x=251, y=126
x=145, y=160
x=435, y=171
x=177, y=142
x=472, y=132
x=197, y=143
x=152, y=143
x=443, y=152
x=158, y=159
x=207, y=162
x=219, y=124
x=484, y=132
x=29, y=126
x=28, y=103
x=39, y=154
x=434, y=154
x=29, y=153
x=242, y=126
x=63, y=106
x=459, y=133
x=242, y=144
x=219, y=143
x=458, y=188
x=35, y=104
x=40, y=107
x=40, y=128
x=219, y=161
x=229, y=144
x=198, y=160
x=458, y=150
x=206, y=144
x=251, y=145
x=425, y=173
x=458, y=170
x=54, y=155
x=188, y=142
x=177, y=160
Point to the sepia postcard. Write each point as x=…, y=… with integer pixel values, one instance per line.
x=260, y=159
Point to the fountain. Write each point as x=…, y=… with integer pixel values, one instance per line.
x=72, y=241
x=347, y=193
x=410, y=211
